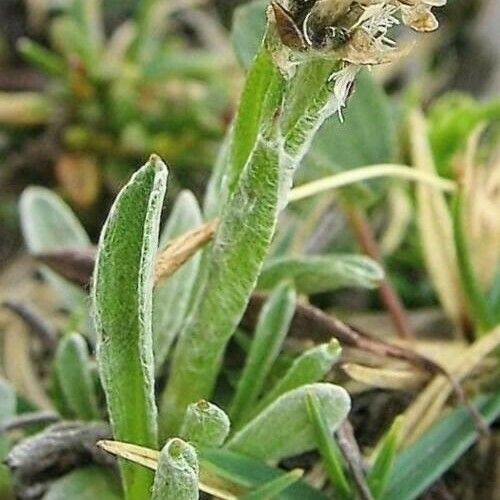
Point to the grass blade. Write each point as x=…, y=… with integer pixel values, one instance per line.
x=276, y=486
x=321, y=273
x=330, y=453
x=74, y=377
x=283, y=428
x=171, y=296
x=381, y=470
x=250, y=473
x=176, y=477
x=271, y=329
x=419, y=466
x=122, y=301
x=205, y=424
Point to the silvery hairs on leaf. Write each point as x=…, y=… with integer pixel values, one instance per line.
x=176, y=477
x=283, y=429
x=205, y=424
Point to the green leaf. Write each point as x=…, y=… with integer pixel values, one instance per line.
x=261, y=96
x=249, y=218
x=122, y=303
x=171, y=297
x=176, y=477
x=419, y=466
x=283, y=428
x=452, y=118
x=205, y=424
x=48, y=224
x=74, y=377
x=309, y=367
x=321, y=273
x=8, y=409
x=381, y=470
x=273, y=488
x=39, y=56
x=332, y=457
x=477, y=302
x=88, y=483
x=247, y=31
x=365, y=137
x=272, y=327
x=250, y=473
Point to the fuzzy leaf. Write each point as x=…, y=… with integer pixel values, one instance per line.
x=74, y=377
x=88, y=483
x=309, y=367
x=249, y=25
x=283, y=429
x=249, y=218
x=171, y=296
x=321, y=273
x=48, y=225
x=271, y=329
x=205, y=424
x=122, y=302
x=176, y=477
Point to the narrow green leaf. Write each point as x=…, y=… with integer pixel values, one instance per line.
x=273, y=488
x=271, y=330
x=172, y=296
x=248, y=219
x=48, y=224
x=122, y=303
x=416, y=468
x=88, y=483
x=321, y=273
x=283, y=428
x=39, y=56
x=74, y=377
x=261, y=96
x=474, y=295
x=380, y=472
x=176, y=477
x=311, y=366
x=250, y=473
x=205, y=424
x=332, y=457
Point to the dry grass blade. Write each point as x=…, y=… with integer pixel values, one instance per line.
x=182, y=249
x=427, y=407
x=371, y=172
x=149, y=458
x=435, y=225
x=383, y=378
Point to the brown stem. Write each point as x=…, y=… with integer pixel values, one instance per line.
x=352, y=454
x=388, y=294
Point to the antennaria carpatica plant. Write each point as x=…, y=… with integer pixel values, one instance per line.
x=182, y=334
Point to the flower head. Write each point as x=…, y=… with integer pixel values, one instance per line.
x=356, y=31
